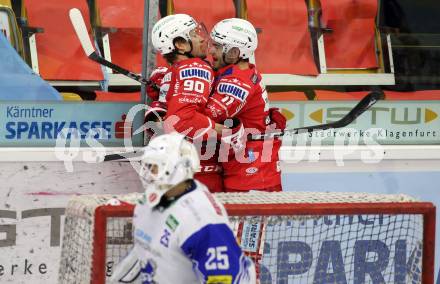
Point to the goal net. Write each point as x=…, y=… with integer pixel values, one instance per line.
x=293, y=237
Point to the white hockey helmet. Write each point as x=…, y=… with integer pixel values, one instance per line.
x=169, y=28
x=168, y=160
x=238, y=33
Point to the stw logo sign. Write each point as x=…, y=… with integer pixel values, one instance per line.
x=378, y=115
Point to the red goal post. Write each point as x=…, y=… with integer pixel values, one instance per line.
x=273, y=227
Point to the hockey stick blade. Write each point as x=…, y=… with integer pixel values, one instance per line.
x=359, y=109
x=123, y=156
x=79, y=25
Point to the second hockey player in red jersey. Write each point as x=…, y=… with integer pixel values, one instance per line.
x=239, y=93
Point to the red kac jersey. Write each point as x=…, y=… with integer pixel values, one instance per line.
x=190, y=84
x=240, y=93
x=190, y=87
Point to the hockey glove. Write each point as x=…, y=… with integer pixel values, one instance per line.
x=278, y=118
x=153, y=119
x=156, y=112
x=235, y=135
x=156, y=81
x=127, y=270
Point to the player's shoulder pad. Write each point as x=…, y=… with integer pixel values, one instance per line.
x=225, y=72
x=212, y=203
x=160, y=69
x=201, y=200
x=233, y=86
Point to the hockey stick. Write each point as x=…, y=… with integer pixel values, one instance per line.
x=79, y=25
x=359, y=109
x=121, y=156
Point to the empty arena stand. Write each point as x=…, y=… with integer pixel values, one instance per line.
x=351, y=42
x=284, y=41
x=58, y=50
x=120, y=26
x=207, y=11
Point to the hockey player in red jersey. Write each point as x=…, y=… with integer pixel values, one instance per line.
x=239, y=93
x=184, y=43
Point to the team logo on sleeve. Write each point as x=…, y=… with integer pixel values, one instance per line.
x=232, y=90
x=195, y=73
x=167, y=78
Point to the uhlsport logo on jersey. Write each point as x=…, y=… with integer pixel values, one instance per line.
x=195, y=73
x=233, y=90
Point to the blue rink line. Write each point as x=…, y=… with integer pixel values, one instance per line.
x=421, y=185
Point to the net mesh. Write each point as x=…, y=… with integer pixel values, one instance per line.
x=335, y=248
x=366, y=248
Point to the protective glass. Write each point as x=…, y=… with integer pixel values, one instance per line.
x=149, y=172
x=153, y=171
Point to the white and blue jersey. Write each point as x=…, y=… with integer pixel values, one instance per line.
x=190, y=241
